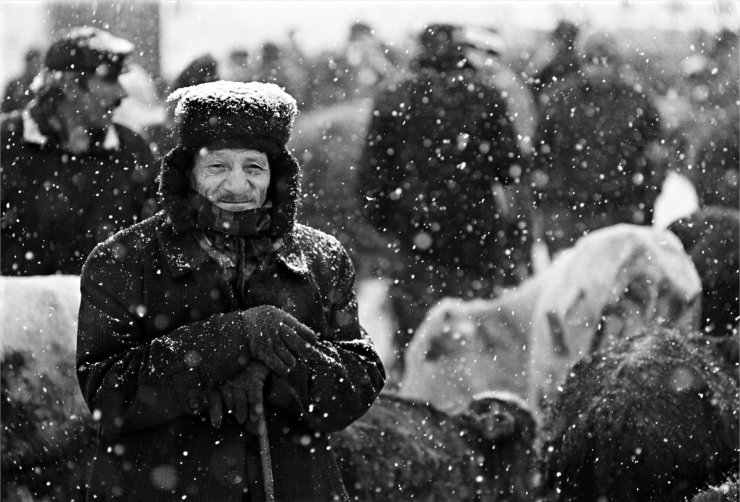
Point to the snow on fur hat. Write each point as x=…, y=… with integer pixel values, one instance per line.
x=88, y=49
x=254, y=113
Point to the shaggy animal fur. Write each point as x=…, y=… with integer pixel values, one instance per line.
x=711, y=237
x=404, y=450
x=654, y=417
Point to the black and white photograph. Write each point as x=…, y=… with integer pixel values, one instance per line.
x=370, y=251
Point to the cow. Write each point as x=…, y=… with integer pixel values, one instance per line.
x=651, y=417
x=47, y=431
x=406, y=450
x=711, y=237
x=612, y=282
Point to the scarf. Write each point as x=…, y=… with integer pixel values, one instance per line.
x=238, y=241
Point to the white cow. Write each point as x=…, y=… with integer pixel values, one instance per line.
x=39, y=316
x=612, y=282
x=47, y=428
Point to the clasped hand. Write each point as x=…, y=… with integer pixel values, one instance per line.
x=275, y=341
x=278, y=339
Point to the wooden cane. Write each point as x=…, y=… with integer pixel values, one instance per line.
x=257, y=372
x=265, y=458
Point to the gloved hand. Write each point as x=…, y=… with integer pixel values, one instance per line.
x=240, y=395
x=277, y=339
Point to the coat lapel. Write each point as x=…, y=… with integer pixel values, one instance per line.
x=181, y=251
x=292, y=257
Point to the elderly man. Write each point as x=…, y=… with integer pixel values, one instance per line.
x=70, y=177
x=219, y=293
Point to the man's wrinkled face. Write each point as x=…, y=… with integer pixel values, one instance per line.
x=233, y=179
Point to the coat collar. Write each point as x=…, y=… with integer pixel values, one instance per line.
x=184, y=255
x=32, y=133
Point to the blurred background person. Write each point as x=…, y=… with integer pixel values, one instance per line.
x=71, y=177
x=716, y=162
x=562, y=55
x=18, y=91
x=369, y=60
x=439, y=148
x=202, y=69
x=275, y=67
x=595, y=128
x=237, y=67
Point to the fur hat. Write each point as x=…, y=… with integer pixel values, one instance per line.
x=255, y=114
x=88, y=49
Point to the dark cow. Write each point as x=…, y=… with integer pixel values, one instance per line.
x=405, y=450
x=711, y=237
x=653, y=417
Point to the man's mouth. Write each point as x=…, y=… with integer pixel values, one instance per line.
x=235, y=201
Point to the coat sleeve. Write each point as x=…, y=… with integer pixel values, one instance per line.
x=328, y=397
x=131, y=381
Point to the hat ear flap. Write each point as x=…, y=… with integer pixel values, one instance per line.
x=284, y=191
x=174, y=186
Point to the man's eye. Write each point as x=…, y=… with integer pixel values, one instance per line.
x=216, y=167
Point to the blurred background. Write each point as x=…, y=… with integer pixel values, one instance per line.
x=170, y=34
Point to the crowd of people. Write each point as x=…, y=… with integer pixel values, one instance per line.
x=216, y=290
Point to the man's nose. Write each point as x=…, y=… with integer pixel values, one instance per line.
x=237, y=180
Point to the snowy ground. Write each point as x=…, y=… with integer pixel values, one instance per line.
x=677, y=199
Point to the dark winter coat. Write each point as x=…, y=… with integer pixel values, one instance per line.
x=57, y=206
x=159, y=327
x=437, y=143
x=593, y=133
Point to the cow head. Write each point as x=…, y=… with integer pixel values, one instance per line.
x=499, y=416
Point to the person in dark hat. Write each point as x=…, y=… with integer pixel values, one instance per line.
x=219, y=314
x=70, y=176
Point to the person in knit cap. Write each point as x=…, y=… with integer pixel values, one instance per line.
x=219, y=313
x=71, y=177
